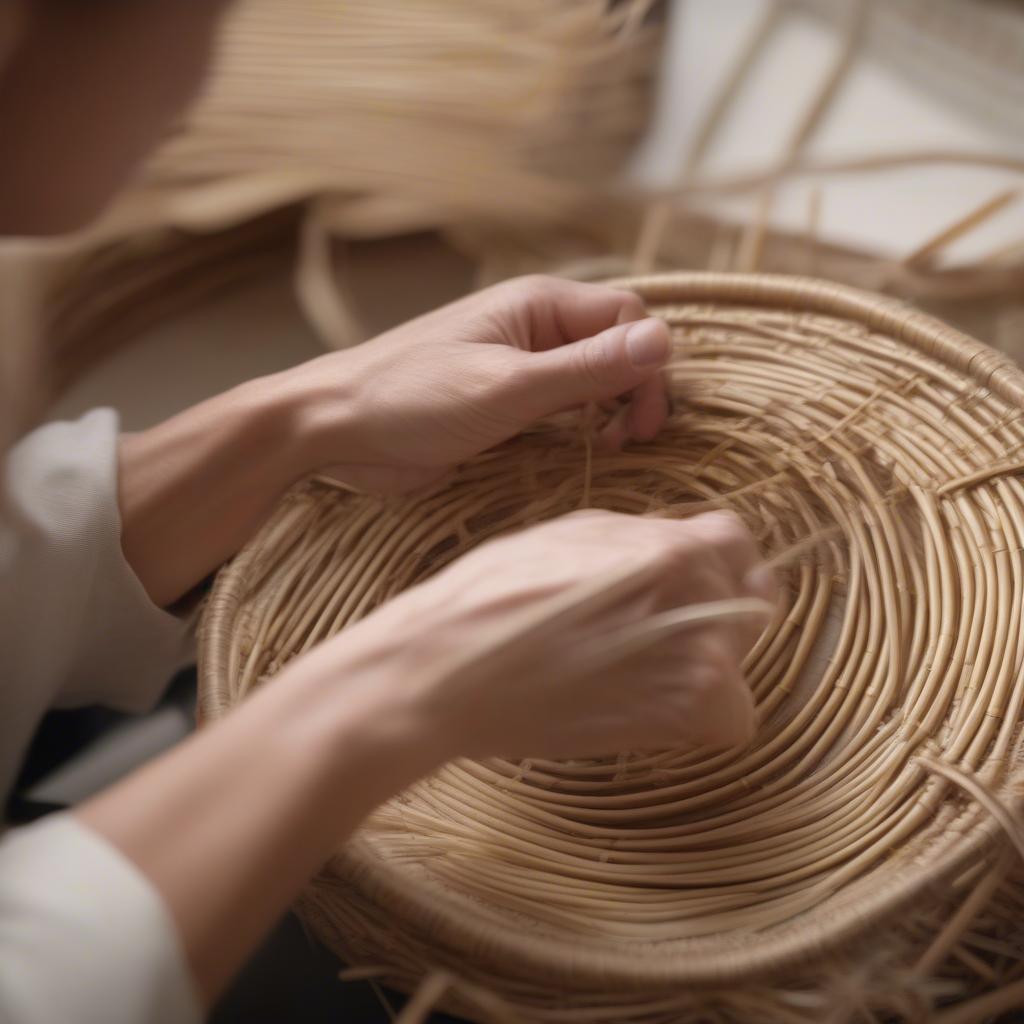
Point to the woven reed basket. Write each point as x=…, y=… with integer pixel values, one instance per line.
x=857, y=856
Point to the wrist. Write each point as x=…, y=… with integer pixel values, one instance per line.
x=357, y=709
x=273, y=424
x=313, y=411
x=193, y=489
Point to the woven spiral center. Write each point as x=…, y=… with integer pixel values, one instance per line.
x=890, y=474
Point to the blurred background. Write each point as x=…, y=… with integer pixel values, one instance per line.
x=355, y=162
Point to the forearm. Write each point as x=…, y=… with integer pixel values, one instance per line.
x=192, y=490
x=230, y=825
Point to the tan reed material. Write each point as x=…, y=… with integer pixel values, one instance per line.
x=969, y=55
x=839, y=865
x=100, y=298
x=962, y=226
x=402, y=119
x=363, y=119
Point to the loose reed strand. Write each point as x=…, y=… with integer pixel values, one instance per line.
x=984, y=1007
x=425, y=999
x=870, y=163
x=813, y=231
x=632, y=639
x=975, y=788
x=384, y=1001
x=788, y=555
x=751, y=244
x=965, y=914
x=832, y=83
x=588, y=420
x=659, y=214
x=963, y=225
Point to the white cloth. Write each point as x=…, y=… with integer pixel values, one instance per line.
x=84, y=937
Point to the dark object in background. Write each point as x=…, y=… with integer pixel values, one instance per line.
x=293, y=978
x=62, y=735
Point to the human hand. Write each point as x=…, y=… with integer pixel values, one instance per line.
x=489, y=657
x=399, y=411
x=505, y=652
x=388, y=416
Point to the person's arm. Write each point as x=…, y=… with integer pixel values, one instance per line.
x=388, y=415
x=193, y=489
x=229, y=825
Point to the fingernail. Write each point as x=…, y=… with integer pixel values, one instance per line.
x=647, y=343
x=761, y=583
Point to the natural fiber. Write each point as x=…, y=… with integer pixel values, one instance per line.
x=99, y=298
x=408, y=117
x=970, y=53
x=852, y=861
x=362, y=119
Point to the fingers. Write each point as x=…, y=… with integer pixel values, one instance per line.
x=702, y=560
x=726, y=715
x=642, y=418
x=733, y=568
x=713, y=702
x=708, y=559
x=704, y=557
x=595, y=343
x=560, y=311
x=726, y=536
x=723, y=706
x=724, y=533
x=649, y=408
x=698, y=696
x=613, y=363
x=677, y=685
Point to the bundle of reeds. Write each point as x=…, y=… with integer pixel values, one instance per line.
x=403, y=116
x=855, y=862
x=326, y=120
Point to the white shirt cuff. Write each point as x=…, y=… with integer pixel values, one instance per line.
x=84, y=936
x=120, y=649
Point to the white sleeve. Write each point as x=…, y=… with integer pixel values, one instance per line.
x=77, y=625
x=84, y=937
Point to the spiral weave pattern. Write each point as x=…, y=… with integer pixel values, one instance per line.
x=879, y=458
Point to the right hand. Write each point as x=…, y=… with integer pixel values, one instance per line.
x=435, y=643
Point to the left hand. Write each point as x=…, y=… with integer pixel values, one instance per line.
x=389, y=416
x=398, y=412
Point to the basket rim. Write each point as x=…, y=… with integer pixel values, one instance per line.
x=866, y=903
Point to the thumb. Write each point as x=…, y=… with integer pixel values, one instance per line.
x=607, y=365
